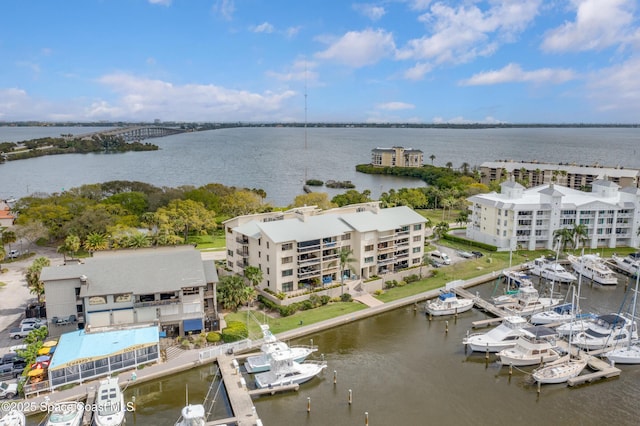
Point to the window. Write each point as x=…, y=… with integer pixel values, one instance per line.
x=287, y=246
x=346, y=237
x=416, y=249
x=369, y=247
x=287, y=259
x=288, y=286
x=229, y=252
x=287, y=272
x=417, y=239
x=97, y=300
x=368, y=259
x=188, y=291
x=417, y=227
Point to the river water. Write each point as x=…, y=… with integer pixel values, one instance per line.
x=402, y=368
x=279, y=160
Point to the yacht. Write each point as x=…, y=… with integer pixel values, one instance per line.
x=109, y=402
x=13, y=418
x=285, y=371
x=580, y=323
x=593, y=267
x=629, y=353
x=559, y=371
x=447, y=303
x=629, y=264
x=536, y=345
x=192, y=415
x=528, y=302
x=606, y=330
x=551, y=270
x=514, y=280
x=262, y=362
x=66, y=414
x=503, y=336
x=560, y=314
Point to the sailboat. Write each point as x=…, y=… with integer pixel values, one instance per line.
x=561, y=370
x=630, y=354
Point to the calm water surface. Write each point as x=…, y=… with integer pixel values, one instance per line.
x=278, y=161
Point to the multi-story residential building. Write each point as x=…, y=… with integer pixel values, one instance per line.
x=300, y=248
x=171, y=287
x=396, y=156
x=570, y=175
x=528, y=218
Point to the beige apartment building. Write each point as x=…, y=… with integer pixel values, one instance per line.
x=570, y=175
x=396, y=156
x=300, y=248
x=171, y=287
x=527, y=218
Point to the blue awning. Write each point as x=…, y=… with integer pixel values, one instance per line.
x=193, y=324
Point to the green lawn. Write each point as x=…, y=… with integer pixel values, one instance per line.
x=280, y=324
x=208, y=242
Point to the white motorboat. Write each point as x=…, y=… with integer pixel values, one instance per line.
x=630, y=352
x=285, y=371
x=580, y=323
x=262, y=362
x=13, y=418
x=629, y=264
x=559, y=371
x=536, y=345
x=110, y=408
x=605, y=331
x=528, y=302
x=593, y=267
x=560, y=314
x=503, y=336
x=192, y=415
x=514, y=281
x=550, y=270
x=447, y=303
x=66, y=414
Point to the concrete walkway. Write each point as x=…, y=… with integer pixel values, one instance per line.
x=368, y=300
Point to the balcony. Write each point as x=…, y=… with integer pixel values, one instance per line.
x=242, y=252
x=242, y=240
x=156, y=303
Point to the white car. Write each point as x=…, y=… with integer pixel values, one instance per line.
x=16, y=348
x=34, y=322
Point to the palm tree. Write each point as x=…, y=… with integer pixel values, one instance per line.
x=36, y=286
x=579, y=234
x=432, y=157
x=440, y=229
x=564, y=236
x=345, y=260
x=253, y=274
x=138, y=240
x=465, y=168
x=449, y=165
x=96, y=241
x=232, y=291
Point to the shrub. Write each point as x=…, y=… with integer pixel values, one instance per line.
x=324, y=299
x=378, y=292
x=213, y=337
x=401, y=283
x=411, y=278
x=314, y=299
x=390, y=284
x=346, y=297
x=234, y=331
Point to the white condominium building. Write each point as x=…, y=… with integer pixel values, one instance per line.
x=528, y=218
x=300, y=248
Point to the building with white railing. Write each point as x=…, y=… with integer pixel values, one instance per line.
x=528, y=218
x=300, y=248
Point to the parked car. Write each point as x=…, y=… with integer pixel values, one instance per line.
x=477, y=254
x=8, y=390
x=12, y=370
x=35, y=322
x=21, y=332
x=16, y=348
x=13, y=254
x=465, y=254
x=10, y=357
x=441, y=257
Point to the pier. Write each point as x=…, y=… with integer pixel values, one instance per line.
x=241, y=403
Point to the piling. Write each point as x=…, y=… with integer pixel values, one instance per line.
x=350, y=396
x=308, y=404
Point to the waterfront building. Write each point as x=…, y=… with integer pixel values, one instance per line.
x=527, y=218
x=6, y=217
x=300, y=248
x=574, y=176
x=171, y=287
x=396, y=156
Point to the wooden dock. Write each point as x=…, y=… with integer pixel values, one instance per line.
x=274, y=389
x=91, y=399
x=483, y=305
x=241, y=403
x=602, y=369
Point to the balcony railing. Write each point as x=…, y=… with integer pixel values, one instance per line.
x=156, y=303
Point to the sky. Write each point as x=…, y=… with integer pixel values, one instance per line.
x=389, y=61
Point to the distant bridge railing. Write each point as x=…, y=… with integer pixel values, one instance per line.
x=136, y=133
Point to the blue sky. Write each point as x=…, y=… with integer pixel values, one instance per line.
x=419, y=61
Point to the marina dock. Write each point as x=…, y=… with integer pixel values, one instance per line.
x=239, y=398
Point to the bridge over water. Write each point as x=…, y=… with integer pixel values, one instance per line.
x=135, y=133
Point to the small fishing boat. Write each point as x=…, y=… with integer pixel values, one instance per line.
x=447, y=303
x=503, y=336
x=536, y=345
x=66, y=414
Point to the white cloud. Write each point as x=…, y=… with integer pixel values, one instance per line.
x=458, y=35
x=598, y=24
x=419, y=4
x=513, y=73
x=292, y=31
x=300, y=70
x=395, y=106
x=141, y=98
x=224, y=8
x=360, y=48
x=265, y=27
x=462, y=120
x=162, y=2
x=617, y=89
x=418, y=71
x=370, y=11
